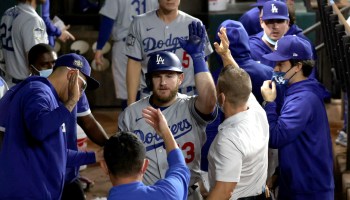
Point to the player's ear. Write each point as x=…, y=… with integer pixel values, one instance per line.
x=144, y=166
x=221, y=98
x=181, y=77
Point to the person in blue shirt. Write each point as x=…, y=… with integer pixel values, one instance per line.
x=251, y=19
x=301, y=131
x=125, y=163
x=41, y=59
x=33, y=114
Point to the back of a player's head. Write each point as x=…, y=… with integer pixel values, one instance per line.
x=37, y=51
x=235, y=83
x=124, y=154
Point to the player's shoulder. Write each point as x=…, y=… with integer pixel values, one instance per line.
x=145, y=16
x=187, y=16
x=11, y=12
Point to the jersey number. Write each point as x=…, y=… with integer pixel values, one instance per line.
x=6, y=38
x=140, y=6
x=188, y=147
x=185, y=60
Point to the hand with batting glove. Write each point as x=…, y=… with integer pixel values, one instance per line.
x=196, y=42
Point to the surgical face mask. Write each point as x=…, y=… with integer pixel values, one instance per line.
x=269, y=40
x=43, y=73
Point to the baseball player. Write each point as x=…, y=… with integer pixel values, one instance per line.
x=125, y=163
x=158, y=30
x=35, y=131
x=21, y=28
x=275, y=22
x=117, y=16
x=187, y=116
x=41, y=59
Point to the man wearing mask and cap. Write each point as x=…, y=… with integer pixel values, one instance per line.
x=35, y=131
x=41, y=59
x=301, y=131
x=275, y=23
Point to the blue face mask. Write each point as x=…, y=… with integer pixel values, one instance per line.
x=43, y=73
x=278, y=78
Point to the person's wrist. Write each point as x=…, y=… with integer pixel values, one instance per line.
x=264, y=103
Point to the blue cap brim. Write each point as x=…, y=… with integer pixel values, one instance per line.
x=275, y=56
x=275, y=17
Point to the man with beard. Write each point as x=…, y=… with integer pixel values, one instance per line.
x=159, y=30
x=20, y=29
x=187, y=116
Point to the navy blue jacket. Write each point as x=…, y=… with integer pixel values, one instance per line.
x=302, y=136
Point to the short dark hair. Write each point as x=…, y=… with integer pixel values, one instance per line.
x=307, y=66
x=38, y=50
x=124, y=154
x=235, y=83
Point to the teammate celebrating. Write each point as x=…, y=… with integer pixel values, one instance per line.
x=21, y=29
x=125, y=163
x=117, y=16
x=187, y=116
x=159, y=30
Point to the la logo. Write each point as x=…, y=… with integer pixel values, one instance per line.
x=159, y=60
x=274, y=9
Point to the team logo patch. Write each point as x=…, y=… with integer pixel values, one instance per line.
x=38, y=33
x=130, y=41
x=159, y=60
x=78, y=63
x=274, y=9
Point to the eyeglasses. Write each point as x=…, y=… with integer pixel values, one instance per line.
x=84, y=85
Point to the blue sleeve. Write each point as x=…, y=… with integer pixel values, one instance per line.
x=177, y=177
x=285, y=128
x=83, y=107
x=51, y=29
x=40, y=116
x=105, y=31
x=78, y=158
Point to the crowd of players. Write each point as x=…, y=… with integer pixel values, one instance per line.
x=269, y=136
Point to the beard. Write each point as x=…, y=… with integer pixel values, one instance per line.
x=165, y=99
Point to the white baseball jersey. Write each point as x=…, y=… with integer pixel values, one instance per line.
x=239, y=151
x=123, y=12
x=185, y=124
x=148, y=34
x=20, y=29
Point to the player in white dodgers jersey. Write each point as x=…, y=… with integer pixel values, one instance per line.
x=159, y=30
x=117, y=16
x=20, y=29
x=187, y=116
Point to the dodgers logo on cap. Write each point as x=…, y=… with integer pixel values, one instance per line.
x=275, y=10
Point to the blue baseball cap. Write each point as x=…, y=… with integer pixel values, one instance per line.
x=261, y=3
x=76, y=61
x=275, y=10
x=291, y=47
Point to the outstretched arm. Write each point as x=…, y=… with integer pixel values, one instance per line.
x=223, y=49
x=205, y=86
x=155, y=118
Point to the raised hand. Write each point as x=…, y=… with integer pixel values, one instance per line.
x=223, y=47
x=196, y=42
x=156, y=119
